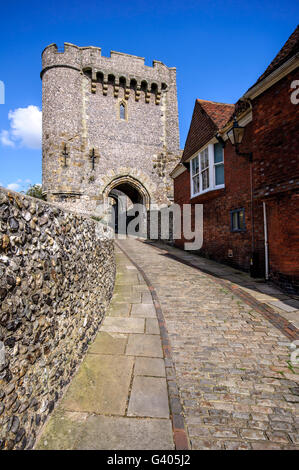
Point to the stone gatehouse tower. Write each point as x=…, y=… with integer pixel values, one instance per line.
x=109, y=124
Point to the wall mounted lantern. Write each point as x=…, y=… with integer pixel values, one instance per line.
x=235, y=135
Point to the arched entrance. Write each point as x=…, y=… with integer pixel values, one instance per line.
x=131, y=187
x=122, y=193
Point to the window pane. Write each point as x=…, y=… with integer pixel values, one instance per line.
x=195, y=180
x=122, y=112
x=219, y=174
x=238, y=220
x=195, y=166
x=205, y=179
x=218, y=153
x=235, y=218
x=241, y=220
x=204, y=159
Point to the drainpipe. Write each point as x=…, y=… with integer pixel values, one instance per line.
x=266, y=242
x=253, y=260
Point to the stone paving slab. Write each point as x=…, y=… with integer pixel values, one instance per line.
x=100, y=386
x=126, y=279
x=62, y=431
x=144, y=345
x=132, y=298
x=140, y=288
x=152, y=326
x=123, y=289
x=93, y=414
x=292, y=302
x=283, y=305
x=146, y=298
x=149, y=366
x=69, y=431
x=120, y=309
x=143, y=310
x=149, y=397
x=293, y=317
x=109, y=343
x=123, y=325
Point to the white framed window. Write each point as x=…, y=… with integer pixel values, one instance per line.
x=204, y=169
x=218, y=165
x=207, y=170
x=195, y=176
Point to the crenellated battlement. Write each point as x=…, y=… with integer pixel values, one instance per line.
x=119, y=68
x=91, y=55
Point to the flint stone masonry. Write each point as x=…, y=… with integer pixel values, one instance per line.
x=82, y=94
x=57, y=276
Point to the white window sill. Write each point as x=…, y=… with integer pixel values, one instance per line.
x=221, y=186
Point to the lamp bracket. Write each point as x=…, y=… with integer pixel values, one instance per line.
x=243, y=154
x=220, y=140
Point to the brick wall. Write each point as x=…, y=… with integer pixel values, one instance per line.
x=276, y=172
x=217, y=236
x=275, y=139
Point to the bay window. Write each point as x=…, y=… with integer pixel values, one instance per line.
x=207, y=170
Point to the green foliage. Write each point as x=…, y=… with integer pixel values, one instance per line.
x=290, y=366
x=35, y=190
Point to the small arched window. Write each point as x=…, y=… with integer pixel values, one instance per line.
x=122, y=111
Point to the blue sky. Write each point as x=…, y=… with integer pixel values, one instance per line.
x=219, y=48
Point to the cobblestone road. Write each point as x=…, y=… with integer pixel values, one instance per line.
x=236, y=384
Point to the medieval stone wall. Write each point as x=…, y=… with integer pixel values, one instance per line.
x=82, y=94
x=56, y=279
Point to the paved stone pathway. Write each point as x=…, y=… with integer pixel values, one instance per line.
x=228, y=373
x=118, y=398
x=236, y=383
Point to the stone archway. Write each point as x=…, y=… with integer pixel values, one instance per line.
x=131, y=187
x=132, y=192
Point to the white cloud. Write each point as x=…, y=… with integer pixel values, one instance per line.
x=19, y=185
x=25, y=128
x=5, y=139
x=14, y=186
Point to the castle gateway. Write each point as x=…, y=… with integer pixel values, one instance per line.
x=110, y=125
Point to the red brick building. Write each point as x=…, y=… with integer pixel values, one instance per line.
x=249, y=201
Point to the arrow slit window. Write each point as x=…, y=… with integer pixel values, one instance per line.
x=122, y=111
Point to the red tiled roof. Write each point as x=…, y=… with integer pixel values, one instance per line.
x=218, y=112
x=290, y=48
x=208, y=117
